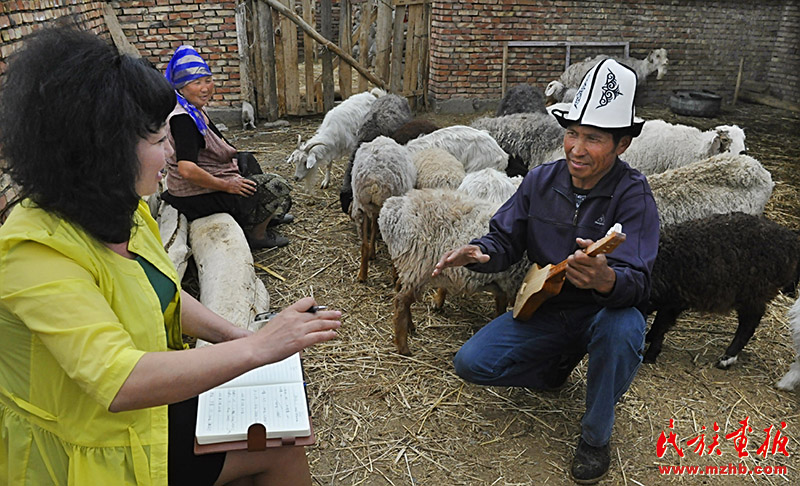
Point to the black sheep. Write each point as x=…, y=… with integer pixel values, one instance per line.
x=718, y=264
x=521, y=98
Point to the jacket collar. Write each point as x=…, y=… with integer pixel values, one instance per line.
x=606, y=186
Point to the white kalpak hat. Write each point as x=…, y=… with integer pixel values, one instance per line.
x=605, y=99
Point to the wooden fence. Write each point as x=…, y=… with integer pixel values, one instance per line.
x=392, y=41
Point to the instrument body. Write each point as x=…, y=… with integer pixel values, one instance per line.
x=541, y=283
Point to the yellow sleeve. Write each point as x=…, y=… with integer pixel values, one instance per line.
x=59, y=301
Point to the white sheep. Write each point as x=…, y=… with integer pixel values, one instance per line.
x=723, y=183
x=530, y=139
x=418, y=228
x=565, y=87
x=792, y=378
x=437, y=168
x=476, y=149
x=382, y=168
x=491, y=185
x=336, y=136
x=662, y=146
x=248, y=116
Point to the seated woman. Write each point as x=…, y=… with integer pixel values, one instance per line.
x=96, y=384
x=206, y=175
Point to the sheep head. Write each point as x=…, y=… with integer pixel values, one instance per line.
x=731, y=139
x=303, y=158
x=658, y=61
x=553, y=92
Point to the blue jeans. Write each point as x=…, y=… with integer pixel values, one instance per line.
x=541, y=352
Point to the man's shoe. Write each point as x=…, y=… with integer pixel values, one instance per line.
x=271, y=239
x=590, y=464
x=286, y=218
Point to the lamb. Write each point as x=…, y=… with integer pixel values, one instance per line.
x=719, y=184
x=476, y=149
x=418, y=228
x=437, y=168
x=248, y=116
x=571, y=78
x=335, y=137
x=382, y=168
x=717, y=264
x=414, y=129
x=522, y=98
x=530, y=139
x=792, y=378
x=385, y=116
x=491, y=185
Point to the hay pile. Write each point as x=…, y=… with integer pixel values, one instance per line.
x=382, y=418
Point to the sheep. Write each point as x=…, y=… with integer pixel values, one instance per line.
x=792, y=378
x=522, y=98
x=528, y=138
x=248, y=116
x=719, y=184
x=491, y=185
x=385, y=116
x=662, y=145
x=437, y=168
x=418, y=228
x=382, y=168
x=571, y=77
x=414, y=129
x=476, y=149
x=717, y=264
x=335, y=137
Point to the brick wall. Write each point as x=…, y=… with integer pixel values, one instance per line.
x=20, y=18
x=158, y=27
x=704, y=40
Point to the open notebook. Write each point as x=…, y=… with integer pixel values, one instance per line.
x=272, y=395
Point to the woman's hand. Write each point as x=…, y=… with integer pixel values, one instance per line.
x=294, y=329
x=241, y=186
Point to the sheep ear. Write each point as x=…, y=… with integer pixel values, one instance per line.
x=716, y=144
x=311, y=161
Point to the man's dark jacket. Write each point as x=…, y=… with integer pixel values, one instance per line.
x=541, y=218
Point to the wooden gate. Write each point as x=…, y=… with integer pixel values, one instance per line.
x=391, y=42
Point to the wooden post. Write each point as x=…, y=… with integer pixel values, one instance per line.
x=738, y=81
x=325, y=42
x=396, y=83
x=268, y=93
x=290, y=58
x=308, y=56
x=346, y=43
x=363, y=43
x=246, y=88
x=383, y=40
x=326, y=16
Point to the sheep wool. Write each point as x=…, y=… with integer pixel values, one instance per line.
x=720, y=184
x=717, y=264
x=792, y=378
x=528, y=138
x=437, y=168
x=476, y=149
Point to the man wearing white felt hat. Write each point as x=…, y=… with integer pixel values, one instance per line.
x=560, y=209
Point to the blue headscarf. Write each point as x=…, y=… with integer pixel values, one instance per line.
x=185, y=66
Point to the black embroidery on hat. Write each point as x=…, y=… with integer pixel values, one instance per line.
x=610, y=90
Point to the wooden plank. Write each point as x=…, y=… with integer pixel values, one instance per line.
x=326, y=18
x=363, y=42
x=399, y=3
x=383, y=40
x=290, y=65
x=412, y=60
x=504, y=69
x=396, y=75
x=117, y=35
x=280, y=78
x=246, y=88
x=345, y=42
x=426, y=52
x=738, y=81
x=258, y=76
x=308, y=56
x=268, y=80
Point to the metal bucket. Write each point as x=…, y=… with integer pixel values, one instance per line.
x=695, y=103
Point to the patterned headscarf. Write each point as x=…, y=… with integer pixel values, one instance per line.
x=185, y=66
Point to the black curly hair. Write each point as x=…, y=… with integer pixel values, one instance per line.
x=72, y=110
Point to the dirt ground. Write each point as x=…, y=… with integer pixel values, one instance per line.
x=386, y=419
